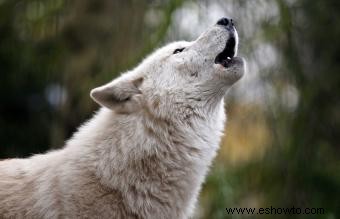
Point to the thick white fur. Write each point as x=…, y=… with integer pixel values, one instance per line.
x=144, y=154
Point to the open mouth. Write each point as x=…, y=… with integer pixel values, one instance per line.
x=225, y=57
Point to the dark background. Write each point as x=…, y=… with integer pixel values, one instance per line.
x=281, y=146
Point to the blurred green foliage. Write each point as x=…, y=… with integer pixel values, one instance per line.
x=52, y=52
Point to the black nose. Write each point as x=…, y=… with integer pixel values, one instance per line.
x=225, y=22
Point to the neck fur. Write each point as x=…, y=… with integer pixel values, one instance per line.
x=164, y=162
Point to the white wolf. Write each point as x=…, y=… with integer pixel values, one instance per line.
x=145, y=154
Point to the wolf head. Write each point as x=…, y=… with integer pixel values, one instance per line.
x=180, y=77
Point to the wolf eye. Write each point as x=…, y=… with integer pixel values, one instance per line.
x=178, y=50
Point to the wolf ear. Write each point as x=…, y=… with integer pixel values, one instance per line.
x=118, y=94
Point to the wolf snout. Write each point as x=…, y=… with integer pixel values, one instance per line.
x=225, y=22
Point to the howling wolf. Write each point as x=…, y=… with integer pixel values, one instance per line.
x=146, y=152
